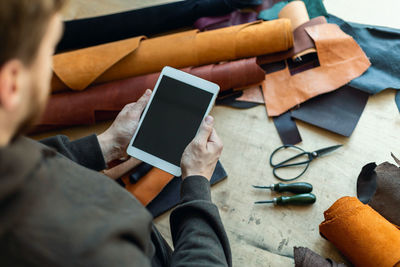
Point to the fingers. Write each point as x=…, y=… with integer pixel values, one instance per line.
x=214, y=142
x=205, y=131
x=136, y=109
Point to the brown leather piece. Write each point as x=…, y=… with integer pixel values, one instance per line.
x=365, y=237
x=78, y=69
x=302, y=42
x=341, y=59
x=386, y=199
x=104, y=101
x=149, y=186
x=305, y=257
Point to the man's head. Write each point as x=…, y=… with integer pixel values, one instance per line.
x=29, y=32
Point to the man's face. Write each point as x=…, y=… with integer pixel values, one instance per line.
x=36, y=80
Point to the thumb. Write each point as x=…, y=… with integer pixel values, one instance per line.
x=205, y=130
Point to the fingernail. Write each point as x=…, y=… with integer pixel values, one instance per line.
x=209, y=120
x=148, y=92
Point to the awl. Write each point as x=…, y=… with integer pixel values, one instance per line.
x=301, y=199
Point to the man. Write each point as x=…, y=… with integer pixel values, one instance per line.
x=56, y=209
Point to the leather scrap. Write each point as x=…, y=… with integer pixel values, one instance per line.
x=366, y=183
x=361, y=234
x=78, y=69
x=287, y=129
x=380, y=44
x=149, y=186
x=252, y=94
x=305, y=257
x=230, y=98
x=340, y=59
x=338, y=111
x=379, y=187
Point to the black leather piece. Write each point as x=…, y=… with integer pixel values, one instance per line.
x=140, y=171
x=338, y=111
x=170, y=195
x=146, y=21
x=228, y=98
x=366, y=183
x=287, y=129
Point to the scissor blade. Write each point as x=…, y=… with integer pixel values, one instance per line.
x=326, y=150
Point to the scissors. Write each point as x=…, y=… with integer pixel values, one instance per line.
x=285, y=163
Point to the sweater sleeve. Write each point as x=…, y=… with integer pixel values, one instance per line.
x=85, y=151
x=198, y=234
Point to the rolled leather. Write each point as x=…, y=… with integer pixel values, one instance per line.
x=365, y=237
x=78, y=69
x=102, y=102
x=234, y=18
x=145, y=21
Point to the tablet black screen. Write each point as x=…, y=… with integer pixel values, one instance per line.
x=172, y=119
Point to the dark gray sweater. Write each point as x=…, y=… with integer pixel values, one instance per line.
x=57, y=210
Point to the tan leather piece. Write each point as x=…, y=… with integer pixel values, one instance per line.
x=78, y=69
x=296, y=11
x=365, y=237
x=341, y=60
x=149, y=186
x=252, y=94
x=132, y=57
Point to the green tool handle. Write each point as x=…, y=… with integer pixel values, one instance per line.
x=296, y=188
x=301, y=199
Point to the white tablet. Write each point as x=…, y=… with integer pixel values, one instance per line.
x=177, y=106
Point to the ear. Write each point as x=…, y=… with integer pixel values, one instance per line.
x=10, y=74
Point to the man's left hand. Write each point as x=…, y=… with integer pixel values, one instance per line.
x=114, y=140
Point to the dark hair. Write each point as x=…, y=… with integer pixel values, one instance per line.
x=23, y=24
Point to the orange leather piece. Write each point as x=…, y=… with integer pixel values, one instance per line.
x=365, y=237
x=341, y=60
x=78, y=69
x=149, y=186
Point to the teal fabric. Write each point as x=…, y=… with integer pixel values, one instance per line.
x=272, y=13
x=315, y=8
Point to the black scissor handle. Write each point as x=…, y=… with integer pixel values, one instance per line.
x=284, y=165
x=288, y=179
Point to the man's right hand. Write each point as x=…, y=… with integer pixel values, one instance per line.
x=202, y=154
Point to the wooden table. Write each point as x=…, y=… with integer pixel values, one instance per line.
x=265, y=235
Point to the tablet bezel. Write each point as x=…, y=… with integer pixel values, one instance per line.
x=184, y=77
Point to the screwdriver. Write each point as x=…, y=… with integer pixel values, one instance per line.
x=295, y=188
x=301, y=199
